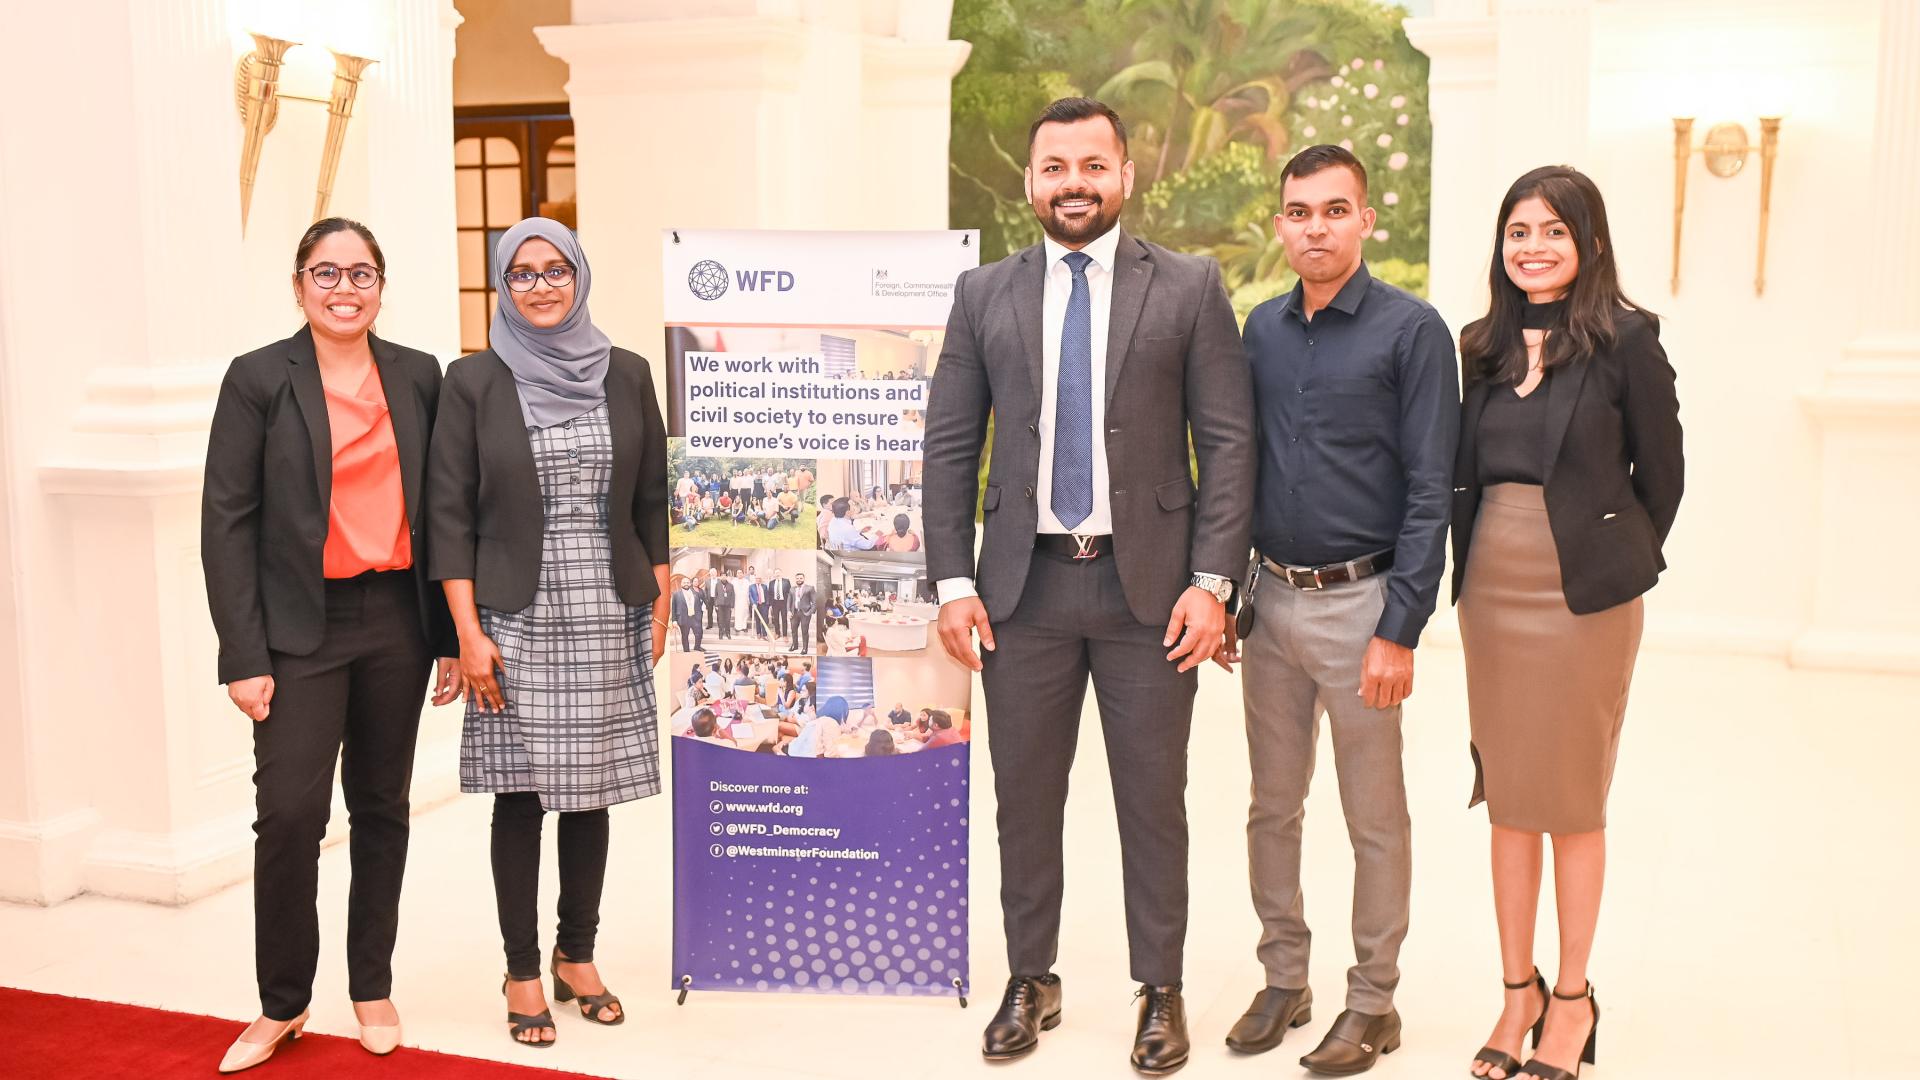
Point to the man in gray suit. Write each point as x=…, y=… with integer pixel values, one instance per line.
x=723, y=605
x=803, y=605
x=779, y=592
x=1097, y=355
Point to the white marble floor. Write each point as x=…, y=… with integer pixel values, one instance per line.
x=1759, y=916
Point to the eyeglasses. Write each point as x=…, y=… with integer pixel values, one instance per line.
x=327, y=275
x=523, y=280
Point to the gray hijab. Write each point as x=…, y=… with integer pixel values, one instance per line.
x=561, y=373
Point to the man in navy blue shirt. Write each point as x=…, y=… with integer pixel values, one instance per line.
x=1357, y=392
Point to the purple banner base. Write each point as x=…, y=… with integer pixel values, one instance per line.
x=841, y=876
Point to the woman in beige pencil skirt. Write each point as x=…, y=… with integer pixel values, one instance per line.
x=1568, y=478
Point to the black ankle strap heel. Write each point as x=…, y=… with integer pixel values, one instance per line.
x=1500, y=1059
x=1548, y=1072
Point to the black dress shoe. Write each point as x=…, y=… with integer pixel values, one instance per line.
x=1354, y=1043
x=1031, y=1005
x=1160, y=1044
x=1266, y=1020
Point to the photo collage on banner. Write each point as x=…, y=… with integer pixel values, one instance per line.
x=820, y=732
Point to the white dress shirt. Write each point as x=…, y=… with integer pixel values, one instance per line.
x=1053, y=319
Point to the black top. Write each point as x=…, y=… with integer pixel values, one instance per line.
x=269, y=485
x=1359, y=416
x=483, y=491
x=1611, y=463
x=1513, y=435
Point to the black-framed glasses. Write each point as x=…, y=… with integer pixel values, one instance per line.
x=327, y=275
x=559, y=277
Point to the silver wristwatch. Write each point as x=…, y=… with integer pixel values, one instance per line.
x=1220, y=588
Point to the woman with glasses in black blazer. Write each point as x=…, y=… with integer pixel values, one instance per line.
x=313, y=541
x=549, y=502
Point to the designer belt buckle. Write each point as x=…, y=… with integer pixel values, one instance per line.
x=1085, y=544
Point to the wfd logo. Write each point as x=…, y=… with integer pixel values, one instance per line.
x=708, y=280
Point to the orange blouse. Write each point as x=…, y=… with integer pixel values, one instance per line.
x=367, y=520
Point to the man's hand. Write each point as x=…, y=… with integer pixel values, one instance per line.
x=1197, y=625
x=1229, y=653
x=958, y=621
x=1386, y=674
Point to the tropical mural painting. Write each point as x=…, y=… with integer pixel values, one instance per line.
x=1216, y=94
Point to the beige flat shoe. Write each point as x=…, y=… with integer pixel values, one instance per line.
x=245, y=1055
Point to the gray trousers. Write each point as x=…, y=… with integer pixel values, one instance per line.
x=1302, y=660
x=1072, y=623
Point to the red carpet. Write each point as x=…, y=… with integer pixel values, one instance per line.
x=47, y=1037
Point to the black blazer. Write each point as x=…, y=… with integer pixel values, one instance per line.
x=269, y=483
x=484, y=493
x=1613, y=468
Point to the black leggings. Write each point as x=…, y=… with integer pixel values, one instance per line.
x=516, y=880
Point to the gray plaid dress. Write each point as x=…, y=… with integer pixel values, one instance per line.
x=578, y=727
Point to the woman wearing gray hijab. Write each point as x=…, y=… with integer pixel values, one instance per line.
x=549, y=483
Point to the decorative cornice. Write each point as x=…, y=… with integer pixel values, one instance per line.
x=694, y=57
x=1877, y=380
x=900, y=73
x=1442, y=37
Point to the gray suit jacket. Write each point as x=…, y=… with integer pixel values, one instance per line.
x=1174, y=366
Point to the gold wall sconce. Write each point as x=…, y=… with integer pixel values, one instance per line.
x=1725, y=151
x=257, y=94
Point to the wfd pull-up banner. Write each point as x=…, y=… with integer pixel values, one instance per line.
x=820, y=732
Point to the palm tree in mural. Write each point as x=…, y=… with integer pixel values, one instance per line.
x=1220, y=70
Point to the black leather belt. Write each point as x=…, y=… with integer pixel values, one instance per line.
x=1074, y=546
x=1310, y=578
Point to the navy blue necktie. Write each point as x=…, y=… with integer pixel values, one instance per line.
x=1072, y=500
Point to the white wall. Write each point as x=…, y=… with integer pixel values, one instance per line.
x=1744, y=360
x=1620, y=71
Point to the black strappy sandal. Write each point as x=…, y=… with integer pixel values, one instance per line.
x=1500, y=1059
x=591, y=1005
x=523, y=1023
x=1550, y=1072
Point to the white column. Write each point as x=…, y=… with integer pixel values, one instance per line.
x=123, y=294
x=407, y=107
x=1462, y=42
x=1462, y=46
x=1866, y=617
x=129, y=759
x=1546, y=67
x=906, y=110
x=814, y=116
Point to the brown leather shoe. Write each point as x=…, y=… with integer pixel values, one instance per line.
x=1160, y=1044
x=1266, y=1021
x=1031, y=1005
x=1354, y=1042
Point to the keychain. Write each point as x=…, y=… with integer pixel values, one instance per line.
x=1243, y=622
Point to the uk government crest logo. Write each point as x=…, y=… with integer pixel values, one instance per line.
x=707, y=279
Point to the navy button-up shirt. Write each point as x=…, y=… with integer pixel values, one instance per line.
x=1359, y=413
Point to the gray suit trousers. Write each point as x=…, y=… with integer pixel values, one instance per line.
x=1302, y=660
x=1073, y=622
